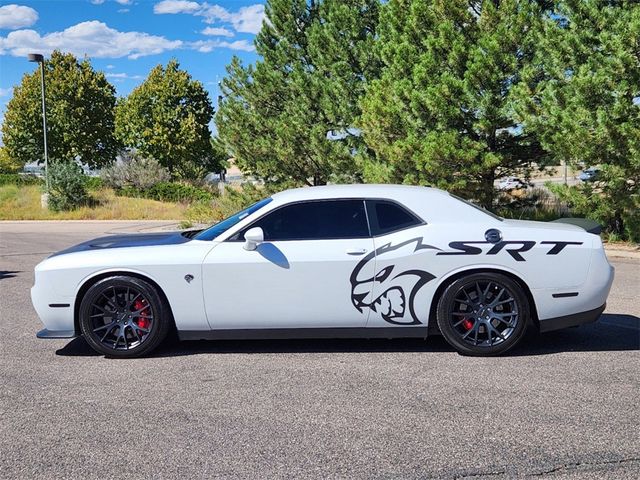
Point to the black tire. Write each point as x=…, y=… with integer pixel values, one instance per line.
x=483, y=314
x=124, y=317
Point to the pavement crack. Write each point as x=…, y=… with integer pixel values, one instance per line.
x=576, y=465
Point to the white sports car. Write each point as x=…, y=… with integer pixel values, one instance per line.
x=336, y=261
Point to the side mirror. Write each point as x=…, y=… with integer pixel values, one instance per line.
x=253, y=237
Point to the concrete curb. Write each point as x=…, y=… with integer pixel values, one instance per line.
x=622, y=251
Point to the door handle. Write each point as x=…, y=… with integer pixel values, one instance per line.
x=357, y=251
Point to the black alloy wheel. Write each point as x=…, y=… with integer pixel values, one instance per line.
x=483, y=314
x=123, y=317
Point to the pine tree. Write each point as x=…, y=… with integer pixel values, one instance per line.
x=442, y=112
x=293, y=115
x=586, y=109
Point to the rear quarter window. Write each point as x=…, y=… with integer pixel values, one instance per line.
x=386, y=217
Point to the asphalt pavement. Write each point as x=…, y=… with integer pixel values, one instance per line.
x=565, y=405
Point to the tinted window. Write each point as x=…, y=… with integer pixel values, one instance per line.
x=388, y=217
x=329, y=219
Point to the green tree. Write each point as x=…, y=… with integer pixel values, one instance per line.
x=442, y=111
x=80, y=114
x=7, y=163
x=293, y=115
x=585, y=110
x=167, y=118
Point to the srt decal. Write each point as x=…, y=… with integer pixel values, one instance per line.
x=512, y=247
x=393, y=290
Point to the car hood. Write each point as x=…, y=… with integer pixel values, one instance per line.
x=127, y=241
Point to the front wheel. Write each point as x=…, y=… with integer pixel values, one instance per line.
x=123, y=317
x=483, y=314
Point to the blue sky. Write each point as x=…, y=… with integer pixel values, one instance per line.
x=127, y=38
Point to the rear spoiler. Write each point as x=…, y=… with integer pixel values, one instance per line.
x=589, y=225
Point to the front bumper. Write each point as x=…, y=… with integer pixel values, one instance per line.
x=566, y=321
x=55, y=311
x=44, y=333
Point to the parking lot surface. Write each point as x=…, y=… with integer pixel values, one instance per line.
x=565, y=405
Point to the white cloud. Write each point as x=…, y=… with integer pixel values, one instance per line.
x=111, y=66
x=92, y=38
x=17, y=16
x=246, y=20
x=124, y=76
x=4, y=92
x=217, y=32
x=123, y=10
x=121, y=2
x=206, y=46
x=176, y=6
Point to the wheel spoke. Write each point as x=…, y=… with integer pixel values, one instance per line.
x=486, y=292
x=135, y=331
x=108, y=325
x=497, y=297
x=132, y=301
x=502, y=302
x=106, y=334
x=479, y=293
x=137, y=313
x=110, y=302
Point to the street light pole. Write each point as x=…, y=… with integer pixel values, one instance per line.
x=36, y=57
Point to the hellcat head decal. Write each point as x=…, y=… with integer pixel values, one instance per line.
x=394, y=290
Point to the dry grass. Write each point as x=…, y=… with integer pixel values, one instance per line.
x=23, y=203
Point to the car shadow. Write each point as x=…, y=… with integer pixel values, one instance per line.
x=613, y=332
x=8, y=273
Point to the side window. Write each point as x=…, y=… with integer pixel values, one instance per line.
x=315, y=220
x=387, y=217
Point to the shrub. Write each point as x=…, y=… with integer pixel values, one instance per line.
x=134, y=171
x=94, y=183
x=67, y=186
x=19, y=180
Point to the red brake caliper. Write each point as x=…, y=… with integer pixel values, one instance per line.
x=142, y=320
x=467, y=324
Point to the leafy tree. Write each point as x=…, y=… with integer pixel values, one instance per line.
x=80, y=114
x=167, y=118
x=442, y=112
x=293, y=115
x=585, y=110
x=8, y=164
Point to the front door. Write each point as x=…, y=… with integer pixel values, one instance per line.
x=300, y=276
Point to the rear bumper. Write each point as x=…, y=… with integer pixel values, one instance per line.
x=44, y=333
x=557, y=323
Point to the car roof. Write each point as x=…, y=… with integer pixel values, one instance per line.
x=431, y=204
x=355, y=191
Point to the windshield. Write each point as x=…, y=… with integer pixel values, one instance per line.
x=221, y=227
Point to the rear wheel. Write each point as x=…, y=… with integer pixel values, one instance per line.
x=123, y=317
x=483, y=314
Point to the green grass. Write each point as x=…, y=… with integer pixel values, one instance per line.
x=23, y=203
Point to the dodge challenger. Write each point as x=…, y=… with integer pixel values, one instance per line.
x=372, y=261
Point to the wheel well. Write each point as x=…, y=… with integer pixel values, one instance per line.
x=433, y=323
x=93, y=280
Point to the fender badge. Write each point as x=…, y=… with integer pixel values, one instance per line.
x=188, y=277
